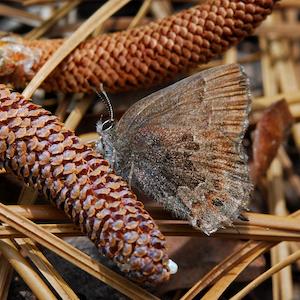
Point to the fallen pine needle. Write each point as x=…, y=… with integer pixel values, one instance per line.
x=267, y=222
x=71, y=254
x=5, y=277
x=140, y=14
x=20, y=15
x=19, y=263
x=221, y=269
x=173, y=229
x=253, y=284
x=223, y=283
x=229, y=263
x=79, y=110
x=46, y=269
x=46, y=25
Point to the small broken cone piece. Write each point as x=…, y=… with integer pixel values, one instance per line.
x=36, y=147
x=270, y=132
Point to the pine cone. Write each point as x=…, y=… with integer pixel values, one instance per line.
x=138, y=57
x=38, y=149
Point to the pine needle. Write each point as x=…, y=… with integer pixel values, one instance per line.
x=46, y=25
x=79, y=110
x=223, y=283
x=46, y=269
x=19, y=263
x=20, y=15
x=140, y=14
x=226, y=265
x=253, y=284
x=5, y=277
x=71, y=254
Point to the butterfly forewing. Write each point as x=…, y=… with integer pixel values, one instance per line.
x=182, y=146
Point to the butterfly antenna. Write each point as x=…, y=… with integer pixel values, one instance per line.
x=108, y=124
x=107, y=103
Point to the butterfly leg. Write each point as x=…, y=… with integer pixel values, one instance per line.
x=130, y=175
x=113, y=160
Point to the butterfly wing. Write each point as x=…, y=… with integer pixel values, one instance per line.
x=183, y=146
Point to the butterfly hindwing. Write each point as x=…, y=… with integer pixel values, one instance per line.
x=183, y=146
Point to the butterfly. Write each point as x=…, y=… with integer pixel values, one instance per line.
x=182, y=146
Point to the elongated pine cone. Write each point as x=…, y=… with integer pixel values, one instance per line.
x=37, y=148
x=141, y=56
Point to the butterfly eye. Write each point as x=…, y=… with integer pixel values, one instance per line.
x=107, y=125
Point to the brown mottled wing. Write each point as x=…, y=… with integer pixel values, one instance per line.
x=184, y=144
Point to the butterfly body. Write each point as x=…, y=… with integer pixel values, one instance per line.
x=182, y=146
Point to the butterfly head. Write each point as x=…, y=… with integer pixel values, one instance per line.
x=106, y=129
x=104, y=145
